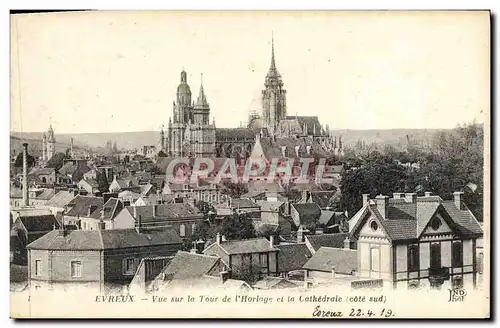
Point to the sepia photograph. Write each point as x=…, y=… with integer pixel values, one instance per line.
x=250, y=164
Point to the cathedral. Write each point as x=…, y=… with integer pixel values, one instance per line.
x=191, y=134
x=48, y=144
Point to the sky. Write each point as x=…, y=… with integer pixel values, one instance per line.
x=119, y=71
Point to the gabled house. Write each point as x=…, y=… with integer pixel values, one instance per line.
x=412, y=242
x=91, y=186
x=291, y=258
x=130, y=184
x=330, y=240
x=184, y=218
x=331, y=264
x=249, y=257
x=305, y=215
x=81, y=207
x=96, y=257
x=104, y=215
x=58, y=203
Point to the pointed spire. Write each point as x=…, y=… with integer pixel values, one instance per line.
x=273, y=64
x=202, y=99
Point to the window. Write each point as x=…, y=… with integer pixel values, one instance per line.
x=38, y=267
x=182, y=230
x=435, y=223
x=129, y=266
x=457, y=254
x=76, y=269
x=413, y=258
x=374, y=226
x=193, y=228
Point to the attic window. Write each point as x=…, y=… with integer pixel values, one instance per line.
x=435, y=224
x=374, y=226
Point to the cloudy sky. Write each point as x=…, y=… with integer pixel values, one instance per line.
x=118, y=71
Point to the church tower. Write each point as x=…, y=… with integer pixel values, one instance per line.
x=202, y=132
x=51, y=143
x=182, y=113
x=273, y=96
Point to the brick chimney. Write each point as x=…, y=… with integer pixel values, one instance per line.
x=397, y=195
x=366, y=199
x=382, y=205
x=138, y=227
x=135, y=211
x=218, y=238
x=62, y=230
x=458, y=198
x=154, y=210
x=300, y=235
x=272, y=240
x=428, y=194
x=25, y=175
x=411, y=197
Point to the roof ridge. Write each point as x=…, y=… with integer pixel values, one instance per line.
x=204, y=255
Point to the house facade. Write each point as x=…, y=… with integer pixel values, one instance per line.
x=412, y=242
x=256, y=256
x=96, y=257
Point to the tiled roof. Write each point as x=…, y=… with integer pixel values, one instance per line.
x=187, y=265
x=127, y=194
x=341, y=260
x=269, y=206
x=39, y=222
x=174, y=211
x=111, y=209
x=234, y=134
x=292, y=256
x=255, y=245
x=307, y=209
x=43, y=171
x=46, y=194
x=243, y=203
x=106, y=239
x=61, y=199
x=80, y=205
x=408, y=220
x=311, y=121
x=322, y=198
x=332, y=240
x=326, y=217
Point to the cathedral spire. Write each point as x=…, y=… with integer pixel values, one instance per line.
x=273, y=64
x=202, y=99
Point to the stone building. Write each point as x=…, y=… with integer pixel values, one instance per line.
x=48, y=144
x=190, y=133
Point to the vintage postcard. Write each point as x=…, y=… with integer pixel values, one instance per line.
x=250, y=164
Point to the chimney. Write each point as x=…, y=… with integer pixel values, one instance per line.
x=458, y=198
x=300, y=235
x=333, y=273
x=272, y=240
x=154, y=210
x=428, y=194
x=305, y=195
x=194, y=249
x=25, y=175
x=411, y=197
x=382, y=205
x=347, y=243
x=135, y=211
x=397, y=195
x=62, y=230
x=138, y=228
x=218, y=238
x=366, y=198
x=224, y=276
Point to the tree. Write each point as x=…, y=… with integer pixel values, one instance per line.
x=56, y=161
x=235, y=190
x=30, y=160
x=378, y=174
x=102, y=182
x=238, y=226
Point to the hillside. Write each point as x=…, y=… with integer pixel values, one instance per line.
x=131, y=140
